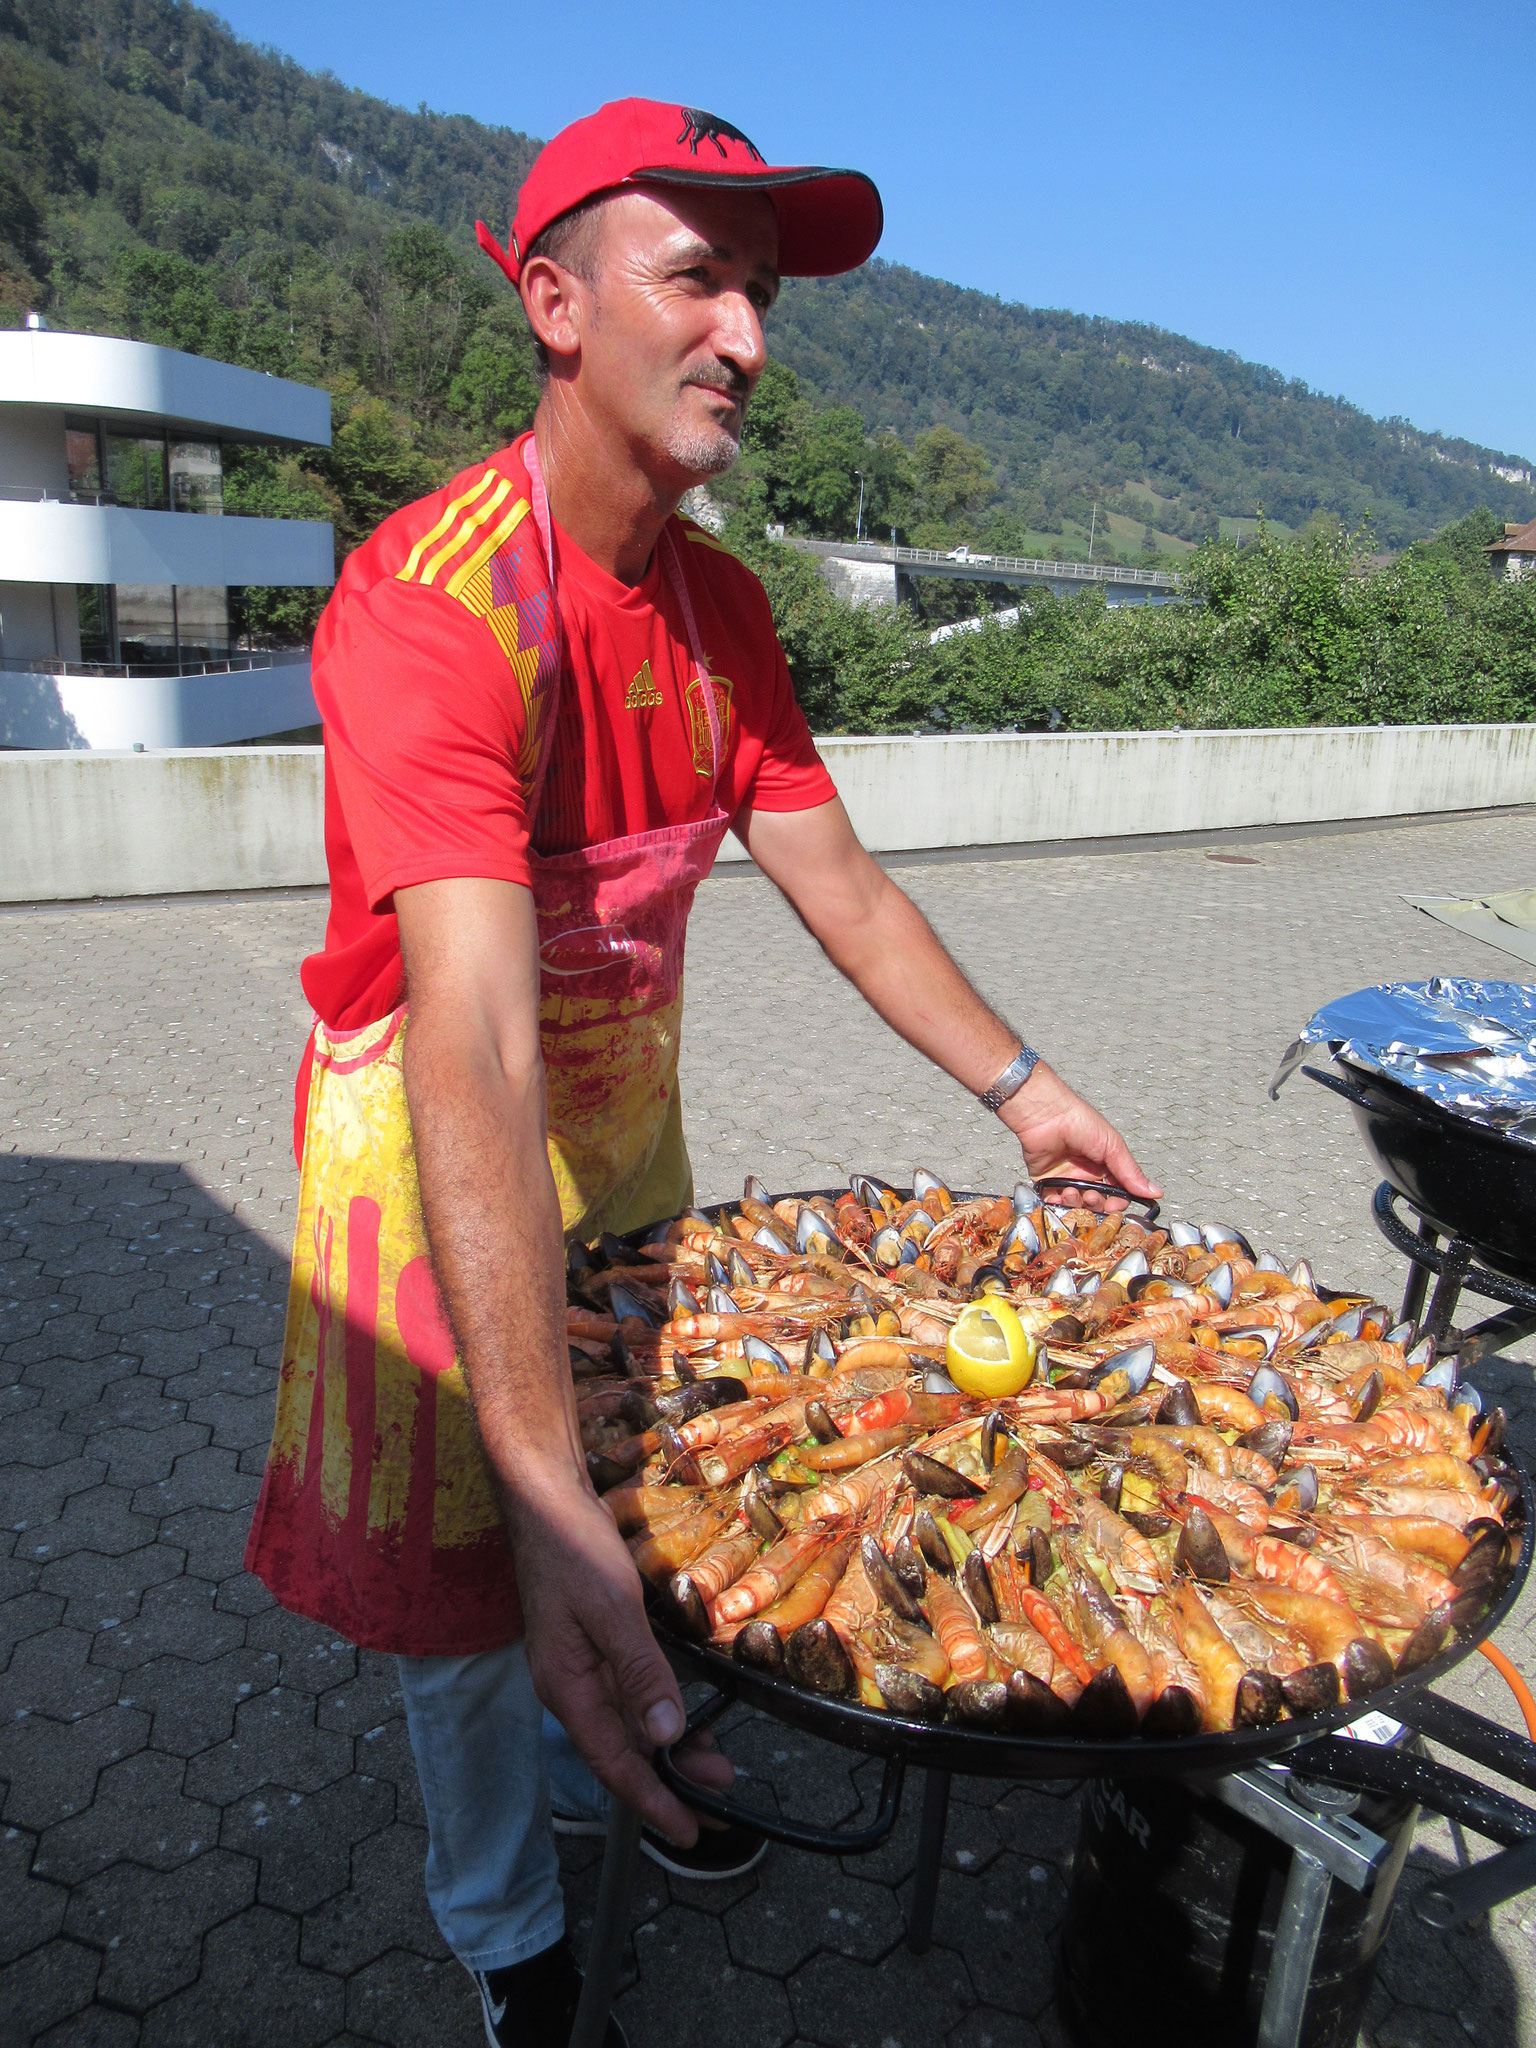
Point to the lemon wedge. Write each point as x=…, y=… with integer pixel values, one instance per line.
x=990, y=1352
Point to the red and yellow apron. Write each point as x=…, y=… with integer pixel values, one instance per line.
x=377, y=1515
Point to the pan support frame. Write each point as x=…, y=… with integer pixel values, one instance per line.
x=1453, y=1267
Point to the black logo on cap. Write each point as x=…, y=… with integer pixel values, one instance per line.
x=701, y=127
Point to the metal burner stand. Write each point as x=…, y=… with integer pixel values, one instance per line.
x=1452, y=1265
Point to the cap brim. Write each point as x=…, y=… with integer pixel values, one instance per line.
x=829, y=221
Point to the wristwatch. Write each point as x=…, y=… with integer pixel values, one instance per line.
x=1011, y=1079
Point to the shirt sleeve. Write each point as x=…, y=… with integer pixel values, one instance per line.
x=423, y=722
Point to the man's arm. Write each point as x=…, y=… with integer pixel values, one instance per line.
x=875, y=934
x=474, y=1080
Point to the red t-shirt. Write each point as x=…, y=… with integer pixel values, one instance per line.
x=424, y=720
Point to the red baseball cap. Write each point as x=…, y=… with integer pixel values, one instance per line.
x=829, y=221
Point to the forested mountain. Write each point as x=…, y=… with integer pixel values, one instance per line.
x=160, y=178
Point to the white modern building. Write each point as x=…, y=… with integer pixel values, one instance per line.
x=117, y=561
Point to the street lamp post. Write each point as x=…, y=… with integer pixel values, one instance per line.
x=858, y=530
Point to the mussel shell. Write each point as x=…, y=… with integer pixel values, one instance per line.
x=935, y=1551
x=908, y=1694
x=604, y=1471
x=815, y=1659
x=1174, y=1714
x=1369, y=1398
x=754, y=1191
x=717, y=1270
x=1110, y=1486
x=907, y=1563
x=760, y=1647
x=721, y=1302
x=1423, y=1353
x=688, y=1607
x=1400, y=1334
x=1201, y=1552
x=1259, y=1700
x=1272, y=1440
x=1298, y=1489
x=1466, y=1396
x=758, y=1510
x=1266, y=1262
x=1254, y=1333
x=1033, y=1709
x=579, y=1260
x=818, y=1420
x=1441, y=1376
x=1022, y=1232
x=918, y=1228
x=1090, y=1283
x=1219, y=1283
x=1104, y=1710
x=771, y=1241
x=1313, y=1689
x=989, y=1280
x=1065, y=1330
x=1136, y=1364
x=976, y=1581
x=937, y=1381
x=1269, y=1385
x=740, y=1269
x=978, y=1702
x=681, y=1299
x=1213, y=1234
x=1131, y=1267
x=1061, y=1283
x=1184, y=1236
x=1493, y=1430
x=821, y=1346
x=1485, y=1559
x=886, y=1247
x=811, y=1229
x=1179, y=1408
x=1148, y=1525
x=1042, y=1558
x=866, y=1193
x=1066, y=1452
x=930, y=1475
x=1301, y=1275
x=764, y=1356
x=639, y=1410
x=886, y=1582
x=1427, y=1640
x=613, y=1251
x=625, y=1307
x=682, y=1465
x=1367, y=1667
x=1024, y=1198
x=1345, y=1324
x=994, y=1434
x=926, y=1183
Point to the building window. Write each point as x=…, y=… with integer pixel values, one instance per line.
x=202, y=622
x=146, y=624
x=136, y=471
x=197, y=476
x=82, y=451
x=98, y=624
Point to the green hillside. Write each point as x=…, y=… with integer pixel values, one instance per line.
x=160, y=178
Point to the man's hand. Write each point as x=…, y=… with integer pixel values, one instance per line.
x=594, y=1661
x=1062, y=1134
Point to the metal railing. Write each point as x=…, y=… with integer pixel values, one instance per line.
x=1033, y=566
x=122, y=671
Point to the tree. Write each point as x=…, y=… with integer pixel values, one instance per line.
x=954, y=476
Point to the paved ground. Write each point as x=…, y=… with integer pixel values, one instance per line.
x=211, y=1834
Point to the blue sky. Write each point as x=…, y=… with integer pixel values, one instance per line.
x=1343, y=192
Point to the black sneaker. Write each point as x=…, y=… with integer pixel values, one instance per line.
x=533, y=2004
x=719, y=1853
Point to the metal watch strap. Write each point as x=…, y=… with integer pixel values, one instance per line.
x=1011, y=1079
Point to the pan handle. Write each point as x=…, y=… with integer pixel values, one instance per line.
x=1443, y=1791
x=794, y=1835
x=1360, y=1100
x=1097, y=1187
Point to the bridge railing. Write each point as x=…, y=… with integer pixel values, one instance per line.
x=1038, y=567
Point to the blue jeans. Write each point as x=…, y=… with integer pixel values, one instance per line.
x=490, y=1759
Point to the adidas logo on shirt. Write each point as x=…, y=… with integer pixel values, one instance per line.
x=644, y=693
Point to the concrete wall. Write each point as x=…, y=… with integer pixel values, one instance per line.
x=859, y=582
x=58, y=543
x=101, y=373
x=86, y=824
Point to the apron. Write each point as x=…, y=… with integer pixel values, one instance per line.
x=377, y=1515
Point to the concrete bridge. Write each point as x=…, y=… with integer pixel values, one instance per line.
x=866, y=572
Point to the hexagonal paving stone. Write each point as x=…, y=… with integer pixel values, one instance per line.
x=24, y=1616
x=208, y=1478
x=53, y=1765
x=34, y=1909
x=178, y=1618
x=49, y=1674
x=385, y=1752
x=384, y=1907
x=194, y=1704
x=140, y=1811
x=364, y=1701
x=151, y=1923
x=691, y=1995
x=803, y=1904
x=903, y=2001
x=275, y=1742
x=141, y=1457
x=305, y=1839
x=253, y=1990
x=101, y=1519
x=47, y=1985
x=1001, y=1922
x=104, y=1592
x=313, y=1658
x=412, y=2002
x=986, y=2027
x=96, y=2026
x=212, y=1538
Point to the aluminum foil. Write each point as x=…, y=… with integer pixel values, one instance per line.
x=1469, y=1046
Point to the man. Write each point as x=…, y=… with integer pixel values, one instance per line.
x=546, y=699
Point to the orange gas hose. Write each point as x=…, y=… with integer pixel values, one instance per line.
x=1516, y=1684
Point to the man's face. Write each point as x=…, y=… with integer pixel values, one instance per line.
x=672, y=338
